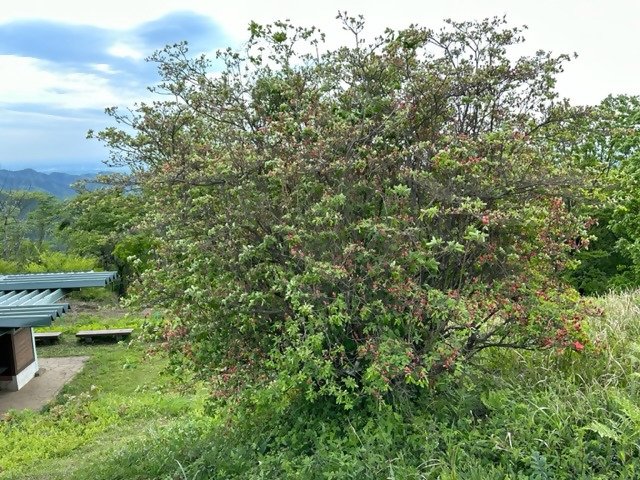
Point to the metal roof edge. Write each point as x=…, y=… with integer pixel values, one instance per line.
x=63, y=280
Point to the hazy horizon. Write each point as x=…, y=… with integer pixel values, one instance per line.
x=63, y=166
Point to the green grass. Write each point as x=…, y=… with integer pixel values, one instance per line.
x=98, y=319
x=532, y=415
x=121, y=393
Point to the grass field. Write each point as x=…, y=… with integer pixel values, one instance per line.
x=538, y=415
x=121, y=394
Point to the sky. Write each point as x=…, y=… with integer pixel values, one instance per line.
x=63, y=62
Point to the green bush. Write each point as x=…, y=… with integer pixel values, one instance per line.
x=51, y=261
x=578, y=418
x=9, y=267
x=355, y=224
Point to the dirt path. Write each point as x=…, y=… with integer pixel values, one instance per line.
x=54, y=373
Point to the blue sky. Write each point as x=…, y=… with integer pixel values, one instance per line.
x=62, y=63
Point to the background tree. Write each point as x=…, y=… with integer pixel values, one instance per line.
x=101, y=224
x=44, y=219
x=605, y=145
x=28, y=221
x=352, y=224
x=12, y=230
x=625, y=221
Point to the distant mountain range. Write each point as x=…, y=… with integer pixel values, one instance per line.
x=58, y=184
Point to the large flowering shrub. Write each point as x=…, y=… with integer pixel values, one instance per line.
x=358, y=222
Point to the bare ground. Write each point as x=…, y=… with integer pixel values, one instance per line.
x=54, y=373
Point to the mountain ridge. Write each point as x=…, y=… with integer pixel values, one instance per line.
x=55, y=183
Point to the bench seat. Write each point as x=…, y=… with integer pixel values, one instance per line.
x=118, y=333
x=50, y=336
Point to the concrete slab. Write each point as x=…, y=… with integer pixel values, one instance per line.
x=54, y=373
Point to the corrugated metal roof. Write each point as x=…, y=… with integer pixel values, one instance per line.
x=31, y=316
x=28, y=300
x=31, y=308
x=33, y=281
x=31, y=297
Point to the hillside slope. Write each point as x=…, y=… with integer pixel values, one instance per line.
x=58, y=184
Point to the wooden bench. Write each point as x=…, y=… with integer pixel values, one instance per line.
x=48, y=336
x=118, y=333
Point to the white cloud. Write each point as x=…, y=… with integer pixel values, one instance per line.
x=603, y=33
x=104, y=68
x=123, y=50
x=114, y=14
x=37, y=82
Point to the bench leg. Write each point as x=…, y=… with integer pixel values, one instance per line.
x=88, y=339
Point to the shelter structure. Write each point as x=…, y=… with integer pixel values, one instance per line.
x=33, y=300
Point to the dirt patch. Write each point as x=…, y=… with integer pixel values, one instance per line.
x=79, y=307
x=54, y=373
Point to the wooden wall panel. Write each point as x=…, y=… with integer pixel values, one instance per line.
x=23, y=349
